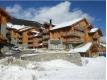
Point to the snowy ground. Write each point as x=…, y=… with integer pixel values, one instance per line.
x=92, y=69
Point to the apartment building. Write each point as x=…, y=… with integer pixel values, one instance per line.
x=24, y=33
x=75, y=33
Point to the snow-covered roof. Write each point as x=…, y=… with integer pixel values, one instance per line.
x=102, y=44
x=81, y=49
x=36, y=35
x=93, y=30
x=41, y=44
x=17, y=27
x=35, y=32
x=25, y=28
x=66, y=24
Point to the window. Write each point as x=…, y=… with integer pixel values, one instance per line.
x=20, y=34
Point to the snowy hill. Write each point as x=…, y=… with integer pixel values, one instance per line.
x=92, y=69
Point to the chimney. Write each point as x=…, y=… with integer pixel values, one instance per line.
x=50, y=21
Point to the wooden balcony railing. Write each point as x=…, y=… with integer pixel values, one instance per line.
x=45, y=31
x=73, y=41
x=20, y=37
x=71, y=34
x=45, y=42
x=30, y=40
x=46, y=37
x=95, y=36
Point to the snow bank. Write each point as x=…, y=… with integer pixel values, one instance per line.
x=56, y=64
x=16, y=73
x=63, y=70
x=94, y=69
x=81, y=49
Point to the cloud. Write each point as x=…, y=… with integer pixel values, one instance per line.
x=58, y=13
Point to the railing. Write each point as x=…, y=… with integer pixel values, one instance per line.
x=30, y=40
x=73, y=41
x=40, y=40
x=45, y=37
x=19, y=37
x=96, y=36
x=71, y=34
x=45, y=31
x=45, y=42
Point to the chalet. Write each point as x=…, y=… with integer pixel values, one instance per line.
x=76, y=33
x=71, y=33
x=24, y=33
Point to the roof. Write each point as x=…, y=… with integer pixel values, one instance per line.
x=93, y=30
x=102, y=44
x=84, y=48
x=17, y=27
x=24, y=22
x=66, y=24
x=25, y=28
x=35, y=31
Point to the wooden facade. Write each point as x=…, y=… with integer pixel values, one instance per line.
x=4, y=18
x=27, y=38
x=76, y=35
x=73, y=34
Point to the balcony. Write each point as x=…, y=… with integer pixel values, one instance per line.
x=40, y=40
x=73, y=41
x=19, y=40
x=20, y=37
x=30, y=41
x=30, y=45
x=46, y=37
x=95, y=37
x=31, y=36
x=45, y=31
x=69, y=34
x=45, y=42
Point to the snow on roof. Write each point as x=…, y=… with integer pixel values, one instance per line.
x=102, y=44
x=35, y=32
x=81, y=49
x=93, y=30
x=65, y=24
x=36, y=35
x=41, y=44
x=17, y=27
x=25, y=28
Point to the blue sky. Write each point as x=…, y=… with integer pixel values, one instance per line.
x=95, y=11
